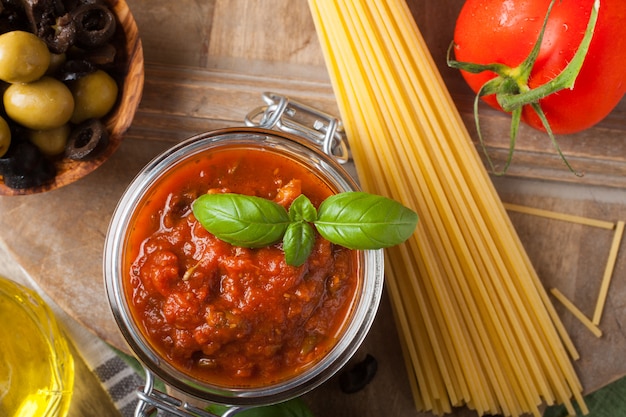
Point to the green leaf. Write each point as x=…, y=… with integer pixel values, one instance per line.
x=358, y=220
x=291, y=408
x=242, y=220
x=302, y=209
x=298, y=243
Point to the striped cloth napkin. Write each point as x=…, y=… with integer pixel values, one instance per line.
x=111, y=367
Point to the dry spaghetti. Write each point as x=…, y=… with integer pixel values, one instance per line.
x=476, y=325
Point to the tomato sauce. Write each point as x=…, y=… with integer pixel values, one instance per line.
x=226, y=315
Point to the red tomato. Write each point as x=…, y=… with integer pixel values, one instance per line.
x=505, y=31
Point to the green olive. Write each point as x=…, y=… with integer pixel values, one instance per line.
x=5, y=137
x=51, y=142
x=94, y=94
x=23, y=57
x=56, y=63
x=41, y=105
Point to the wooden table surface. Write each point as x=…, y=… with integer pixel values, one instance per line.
x=207, y=64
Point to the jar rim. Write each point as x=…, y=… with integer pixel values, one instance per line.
x=353, y=333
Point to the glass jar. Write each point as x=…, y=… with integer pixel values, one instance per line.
x=356, y=324
x=36, y=366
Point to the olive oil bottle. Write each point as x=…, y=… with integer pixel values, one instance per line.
x=36, y=366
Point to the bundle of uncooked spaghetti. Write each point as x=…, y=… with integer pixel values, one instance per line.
x=477, y=326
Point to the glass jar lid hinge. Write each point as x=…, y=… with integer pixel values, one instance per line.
x=291, y=116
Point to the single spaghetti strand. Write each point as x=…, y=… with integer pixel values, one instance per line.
x=576, y=312
x=570, y=218
x=608, y=272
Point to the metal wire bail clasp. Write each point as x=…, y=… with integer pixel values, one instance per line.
x=294, y=117
x=151, y=401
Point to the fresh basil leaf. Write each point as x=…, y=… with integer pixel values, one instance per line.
x=291, y=408
x=359, y=220
x=302, y=209
x=242, y=220
x=298, y=243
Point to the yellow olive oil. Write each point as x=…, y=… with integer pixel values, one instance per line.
x=36, y=367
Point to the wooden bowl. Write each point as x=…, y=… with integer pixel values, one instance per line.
x=130, y=78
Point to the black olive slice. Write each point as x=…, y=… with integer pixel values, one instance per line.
x=102, y=55
x=12, y=17
x=76, y=68
x=87, y=140
x=49, y=22
x=61, y=36
x=44, y=174
x=6, y=164
x=356, y=378
x=24, y=166
x=95, y=25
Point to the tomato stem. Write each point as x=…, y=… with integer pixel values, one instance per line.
x=546, y=125
x=512, y=91
x=565, y=79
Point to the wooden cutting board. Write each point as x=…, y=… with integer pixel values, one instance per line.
x=207, y=64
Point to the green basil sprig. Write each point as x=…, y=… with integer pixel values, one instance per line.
x=354, y=219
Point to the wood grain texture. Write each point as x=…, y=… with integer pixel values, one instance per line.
x=254, y=46
x=207, y=64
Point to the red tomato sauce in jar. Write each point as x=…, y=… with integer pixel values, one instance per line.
x=227, y=315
